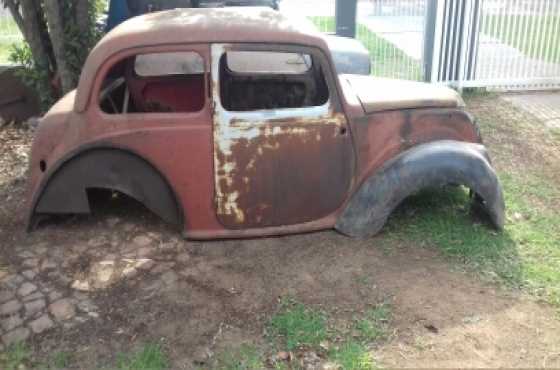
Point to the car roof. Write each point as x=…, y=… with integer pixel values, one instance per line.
x=200, y=25
x=216, y=25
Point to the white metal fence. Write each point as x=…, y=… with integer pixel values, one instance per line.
x=392, y=31
x=503, y=44
x=500, y=44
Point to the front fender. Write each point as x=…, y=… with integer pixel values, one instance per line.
x=428, y=165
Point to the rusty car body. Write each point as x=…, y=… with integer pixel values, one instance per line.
x=251, y=133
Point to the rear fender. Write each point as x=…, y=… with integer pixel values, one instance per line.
x=65, y=190
x=429, y=165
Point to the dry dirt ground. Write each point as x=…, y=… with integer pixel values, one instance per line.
x=99, y=285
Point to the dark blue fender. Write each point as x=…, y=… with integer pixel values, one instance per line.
x=428, y=165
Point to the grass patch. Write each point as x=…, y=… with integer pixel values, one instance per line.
x=246, y=357
x=61, y=360
x=14, y=357
x=149, y=357
x=373, y=326
x=353, y=355
x=525, y=255
x=298, y=326
x=387, y=60
x=9, y=35
x=530, y=34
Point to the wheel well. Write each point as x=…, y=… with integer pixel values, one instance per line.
x=65, y=190
x=429, y=165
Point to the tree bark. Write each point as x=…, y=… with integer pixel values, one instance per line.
x=30, y=22
x=55, y=21
x=83, y=18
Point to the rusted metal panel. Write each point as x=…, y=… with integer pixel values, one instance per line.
x=241, y=174
x=381, y=136
x=278, y=167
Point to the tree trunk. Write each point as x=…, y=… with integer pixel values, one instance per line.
x=83, y=18
x=55, y=20
x=30, y=22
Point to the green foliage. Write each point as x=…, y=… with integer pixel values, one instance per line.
x=299, y=329
x=14, y=357
x=37, y=78
x=353, y=355
x=9, y=35
x=60, y=360
x=373, y=326
x=41, y=78
x=77, y=44
x=149, y=357
x=246, y=357
x=298, y=325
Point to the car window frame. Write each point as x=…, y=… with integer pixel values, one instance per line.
x=318, y=57
x=200, y=48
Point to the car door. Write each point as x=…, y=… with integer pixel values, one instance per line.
x=282, y=153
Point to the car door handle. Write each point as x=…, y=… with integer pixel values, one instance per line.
x=343, y=130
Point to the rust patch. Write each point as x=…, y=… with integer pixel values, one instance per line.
x=284, y=175
x=381, y=136
x=278, y=167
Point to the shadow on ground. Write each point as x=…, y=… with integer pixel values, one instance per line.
x=120, y=277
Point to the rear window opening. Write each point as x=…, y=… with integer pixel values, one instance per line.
x=263, y=80
x=153, y=83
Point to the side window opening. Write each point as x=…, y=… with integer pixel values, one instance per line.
x=159, y=82
x=261, y=80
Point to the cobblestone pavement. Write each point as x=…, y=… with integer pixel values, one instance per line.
x=53, y=285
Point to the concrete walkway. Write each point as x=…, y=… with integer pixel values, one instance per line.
x=543, y=105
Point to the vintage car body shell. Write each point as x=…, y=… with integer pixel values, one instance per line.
x=187, y=151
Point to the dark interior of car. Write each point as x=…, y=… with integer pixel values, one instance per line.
x=251, y=91
x=124, y=91
x=173, y=93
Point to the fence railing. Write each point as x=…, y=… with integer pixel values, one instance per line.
x=500, y=44
x=391, y=30
x=519, y=44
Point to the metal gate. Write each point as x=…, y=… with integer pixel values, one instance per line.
x=500, y=44
x=393, y=32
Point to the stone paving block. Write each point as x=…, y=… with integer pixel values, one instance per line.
x=15, y=336
x=34, y=307
x=63, y=309
x=10, y=307
x=26, y=288
x=33, y=296
x=6, y=295
x=41, y=324
x=30, y=274
x=11, y=322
